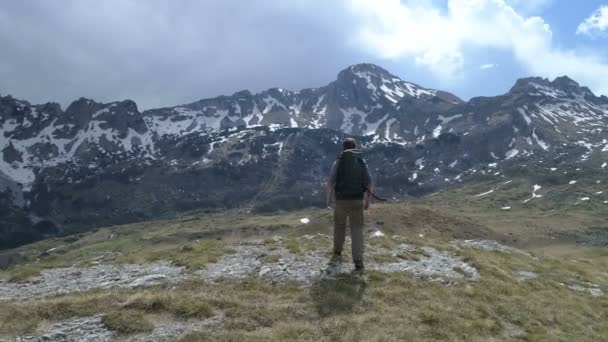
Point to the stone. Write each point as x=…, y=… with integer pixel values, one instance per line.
x=590, y=288
x=526, y=275
x=245, y=262
x=79, y=279
x=148, y=280
x=264, y=271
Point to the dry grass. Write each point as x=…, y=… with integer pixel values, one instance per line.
x=127, y=322
x=378, y=307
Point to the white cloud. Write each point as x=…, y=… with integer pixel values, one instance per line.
x=441, y=39
x=596, y=23
x=488, y=66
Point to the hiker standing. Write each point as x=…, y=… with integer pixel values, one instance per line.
x=348, y=192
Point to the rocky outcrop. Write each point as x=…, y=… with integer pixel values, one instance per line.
x=258, y=259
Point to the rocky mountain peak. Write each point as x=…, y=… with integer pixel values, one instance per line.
x=562, y=86
x=80, y=112
x=242, y=94
x=564, y=81
x=12, y=108
x=526, y=84
x=364, y=70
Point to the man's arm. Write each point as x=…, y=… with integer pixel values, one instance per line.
x=331, y=183
x=369, y=185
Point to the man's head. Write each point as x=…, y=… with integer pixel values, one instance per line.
x=349, y=144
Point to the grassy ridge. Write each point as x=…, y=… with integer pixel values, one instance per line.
x=378, y=307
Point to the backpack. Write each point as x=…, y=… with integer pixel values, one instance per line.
x=350, y=176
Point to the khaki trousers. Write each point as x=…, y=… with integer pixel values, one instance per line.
x=351, y=210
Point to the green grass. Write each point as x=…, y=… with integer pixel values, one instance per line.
x=194, y=255
x=23, y=273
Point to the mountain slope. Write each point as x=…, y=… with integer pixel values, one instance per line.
x=363, y=97
x=100, y=164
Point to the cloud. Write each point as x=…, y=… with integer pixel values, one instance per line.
x=441, y=40
x=488, y=66
x=596, y=23
x=164, y=52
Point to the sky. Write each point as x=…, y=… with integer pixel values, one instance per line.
x=165, y=52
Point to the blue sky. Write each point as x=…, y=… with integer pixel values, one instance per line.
x=164, y=52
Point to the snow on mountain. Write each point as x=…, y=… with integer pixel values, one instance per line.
x=116, y=164
x=361, y=101
x=35, y=137
x=535, y=115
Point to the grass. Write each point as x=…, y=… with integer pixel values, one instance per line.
x=192, y=240
x=192, y=255
x=187, y=307
x=378, y=307
x=127, y=322
x=23, y=273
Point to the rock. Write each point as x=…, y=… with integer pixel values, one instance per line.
x=264, y=271
x=310, y=266
x=245, y=262
x=77, y=279
x=74, y=330
x=590, y=288
x=148, y=280
x=526, y=275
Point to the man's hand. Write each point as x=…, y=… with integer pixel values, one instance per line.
x=368, y=199
x=331, y=204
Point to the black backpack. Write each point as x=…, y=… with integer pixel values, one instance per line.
x=351, y=175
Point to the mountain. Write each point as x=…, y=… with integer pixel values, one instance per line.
x=363, y=98
x=98, y=164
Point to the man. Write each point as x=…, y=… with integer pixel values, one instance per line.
x=348, y=192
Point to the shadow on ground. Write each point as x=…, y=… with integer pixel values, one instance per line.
x=337, y=294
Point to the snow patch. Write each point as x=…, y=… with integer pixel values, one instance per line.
x=377, y=233
x=420, y=163
x=444, y=120
x=540, y=143
x=511, y=153
x=437, y=131
x=524, y=115
x=485, y=193
x=535, y=188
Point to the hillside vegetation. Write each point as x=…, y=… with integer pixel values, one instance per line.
x=551, y=288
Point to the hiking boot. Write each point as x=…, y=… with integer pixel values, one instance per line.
x=336, y=258
x=334, y=266
x=359, y=266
